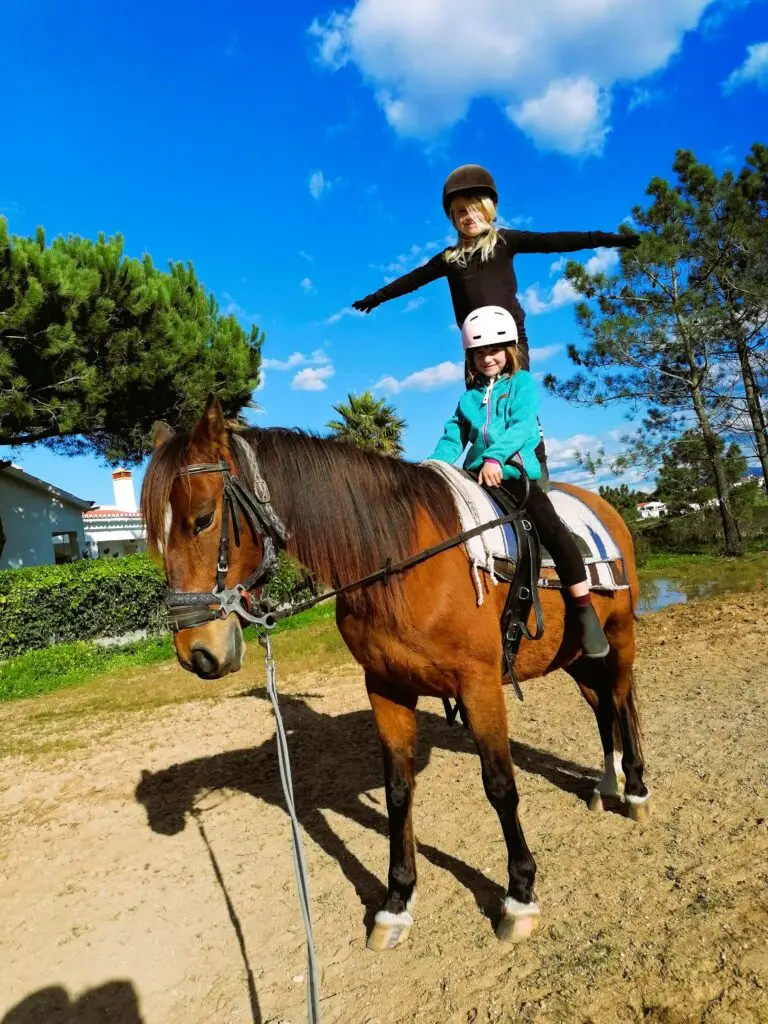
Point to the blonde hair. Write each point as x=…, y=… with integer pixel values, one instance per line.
x=486, y=243
x=511, y=366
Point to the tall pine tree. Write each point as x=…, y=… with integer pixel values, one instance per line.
x=95, y=346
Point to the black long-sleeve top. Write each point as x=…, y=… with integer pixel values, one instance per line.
x=493, y=282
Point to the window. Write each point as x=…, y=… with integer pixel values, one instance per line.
x=65, y=548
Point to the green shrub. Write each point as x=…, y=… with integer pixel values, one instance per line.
x=57, y=604
x=291, y=582
x=50, y=604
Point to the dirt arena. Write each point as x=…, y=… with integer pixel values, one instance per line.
x=146, y=878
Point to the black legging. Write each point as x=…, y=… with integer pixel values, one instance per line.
x=553, y=532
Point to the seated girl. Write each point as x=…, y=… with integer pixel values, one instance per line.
x=496, y=417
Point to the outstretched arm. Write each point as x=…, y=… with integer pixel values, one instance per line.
x=566, y=241
x=417, y=278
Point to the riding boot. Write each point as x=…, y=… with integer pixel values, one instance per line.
x=593, y=640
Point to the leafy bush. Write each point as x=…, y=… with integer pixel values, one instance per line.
x=83, y=600
x=56, y=604
x=290, y=584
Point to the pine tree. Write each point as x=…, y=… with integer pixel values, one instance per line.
x=95, y=346
x=653, y=344
x=369, y=423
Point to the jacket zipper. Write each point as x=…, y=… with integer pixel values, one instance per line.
x=487, y=401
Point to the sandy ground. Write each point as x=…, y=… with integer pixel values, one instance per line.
x=175, y=904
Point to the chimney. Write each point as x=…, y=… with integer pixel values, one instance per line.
x=125, y=498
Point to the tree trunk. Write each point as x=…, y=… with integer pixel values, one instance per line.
x=731, y=535
x=2, y=538
x=752, y=395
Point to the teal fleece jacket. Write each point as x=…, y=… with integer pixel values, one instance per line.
x=497, y=418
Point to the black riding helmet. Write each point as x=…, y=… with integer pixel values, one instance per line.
x=469, y=179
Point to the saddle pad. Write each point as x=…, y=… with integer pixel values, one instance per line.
x=602, y=555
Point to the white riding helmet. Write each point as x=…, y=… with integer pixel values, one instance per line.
x=489, y=325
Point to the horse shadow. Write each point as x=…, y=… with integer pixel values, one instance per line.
x=335, y=763
x=113, y=1003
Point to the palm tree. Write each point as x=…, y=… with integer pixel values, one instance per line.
x=369, y=423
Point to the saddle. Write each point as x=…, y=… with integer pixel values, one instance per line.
x=523, y=595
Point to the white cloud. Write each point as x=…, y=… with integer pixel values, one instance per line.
x=544, y=352
x=306, y=256
x=552, y=65
x=317, y=358
x=564, y=453
x=521, y=221
x=562, y=292
x=603, y=262
x=571, y=116
x=414, y=304
x=347, y=311
x=312, y=379
x=424, y=380
x=414, y=257
x=318, y=184
x=307, y=286
x=754, y=69
x=642, y=97
x=234, y=308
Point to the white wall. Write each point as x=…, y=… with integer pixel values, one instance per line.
x=30, y=518
x=120, y=541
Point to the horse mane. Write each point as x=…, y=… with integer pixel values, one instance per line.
x=347, y=511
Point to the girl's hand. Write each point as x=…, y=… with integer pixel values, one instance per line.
x=366, y=305
x=490, y=475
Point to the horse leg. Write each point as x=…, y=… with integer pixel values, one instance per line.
x=636, y=791
x=487, y=719
x=594, y=680
x=396, y=722
x=607, y=688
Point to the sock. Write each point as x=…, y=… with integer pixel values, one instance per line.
x=583, y=601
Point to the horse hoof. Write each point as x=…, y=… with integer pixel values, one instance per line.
x=639, y=808
x=596, y=801
x=389, y=930
x=518, y=921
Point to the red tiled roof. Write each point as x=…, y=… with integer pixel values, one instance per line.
x=110, y=513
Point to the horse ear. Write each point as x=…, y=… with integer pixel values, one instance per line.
x=161, y=432
x=210, y=429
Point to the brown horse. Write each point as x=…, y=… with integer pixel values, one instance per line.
x=422, y=634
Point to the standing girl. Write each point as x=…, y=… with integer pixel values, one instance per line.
x=496, y=417
x=479, y=267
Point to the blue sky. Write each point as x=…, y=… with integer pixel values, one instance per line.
x=296, y=153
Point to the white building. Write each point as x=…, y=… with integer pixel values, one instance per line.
x=651, y=509
x=42, y=524
x=118, y=529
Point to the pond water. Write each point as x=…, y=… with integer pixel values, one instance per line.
x=657, y=592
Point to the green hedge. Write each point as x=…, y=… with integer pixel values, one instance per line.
x=50, y=604
x=55, y=604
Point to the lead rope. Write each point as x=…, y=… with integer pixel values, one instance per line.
x=299, y=866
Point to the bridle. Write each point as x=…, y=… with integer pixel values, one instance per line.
x=187, y=610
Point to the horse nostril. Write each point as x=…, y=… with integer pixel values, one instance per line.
x=204, y=663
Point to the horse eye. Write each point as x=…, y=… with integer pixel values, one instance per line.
x=203, y=522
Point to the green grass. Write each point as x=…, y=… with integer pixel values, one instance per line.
x=65, y=665
x=753, y=565
x=310, y=637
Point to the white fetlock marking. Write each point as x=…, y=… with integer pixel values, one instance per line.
x=613, y=780
x=638, y=800
x=389, y=920
x=514, y=908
